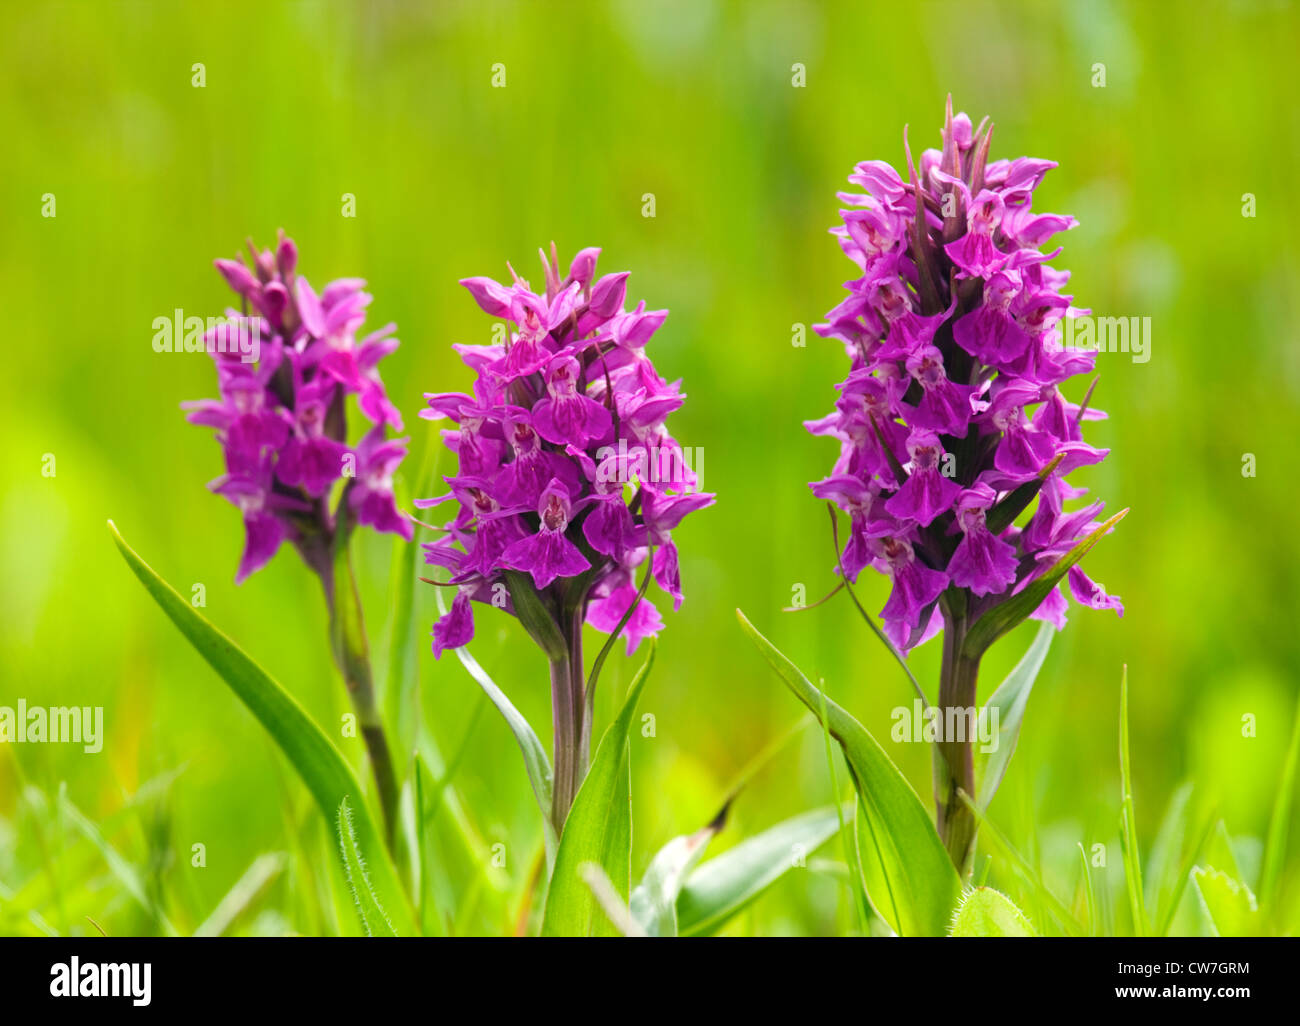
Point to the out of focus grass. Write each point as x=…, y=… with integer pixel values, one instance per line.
x=604, y=102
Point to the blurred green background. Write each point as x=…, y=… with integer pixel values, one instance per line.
x=604, y=102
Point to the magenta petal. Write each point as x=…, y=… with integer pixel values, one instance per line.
x=309, y=309
x=666, y=573
x=237, y=276
x=584, y=265
x=923, y=497
x=263, y=534
x=1091, y=594
x=608, y=294
x=609, y=528
x=1052, y=610
x=605, y=614
x=493, y=298
x=984, y=564
x=915, y=587
x=456, y=628
x=312, y=465
x=545, y=555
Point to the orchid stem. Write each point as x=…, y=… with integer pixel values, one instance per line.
x=572, y=725
x=957, y=681
x=351, y=653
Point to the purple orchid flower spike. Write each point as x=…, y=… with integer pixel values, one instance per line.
x=282, y=420
x=290, y=470
x=568, y=482
x=952, y=418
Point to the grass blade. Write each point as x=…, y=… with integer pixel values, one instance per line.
x=123, y=871
x=1157, y=878
x=240, y=897
x=1089, y=895
x=1193, y=856
x=1275, y=844
x=1132, y=862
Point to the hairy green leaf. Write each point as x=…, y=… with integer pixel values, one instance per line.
x=984, y=912
x=1228, y=902
x=374, y=920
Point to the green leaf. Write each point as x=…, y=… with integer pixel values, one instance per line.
x=1161, y=865
x=984, y=912
x=848, y=839
x=1015, y=610
x=1010, y=699
x=247, y=889
x=610, y=901
x=908, y=875
x=322, y=768
x=1090, y=896
x=1275, y=843
x=939, y=765
x=1228, y=902
x=725, y=884
x=536, y=762
x=1166, y=919
x=132, y=881
x=1132, y=861
x=1221, y=851
x=373, y=917
x=654, y=902
x=598, y=830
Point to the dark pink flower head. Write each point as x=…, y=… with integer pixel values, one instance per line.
x=282, y=416
x=954, y=398
x=568, y=475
